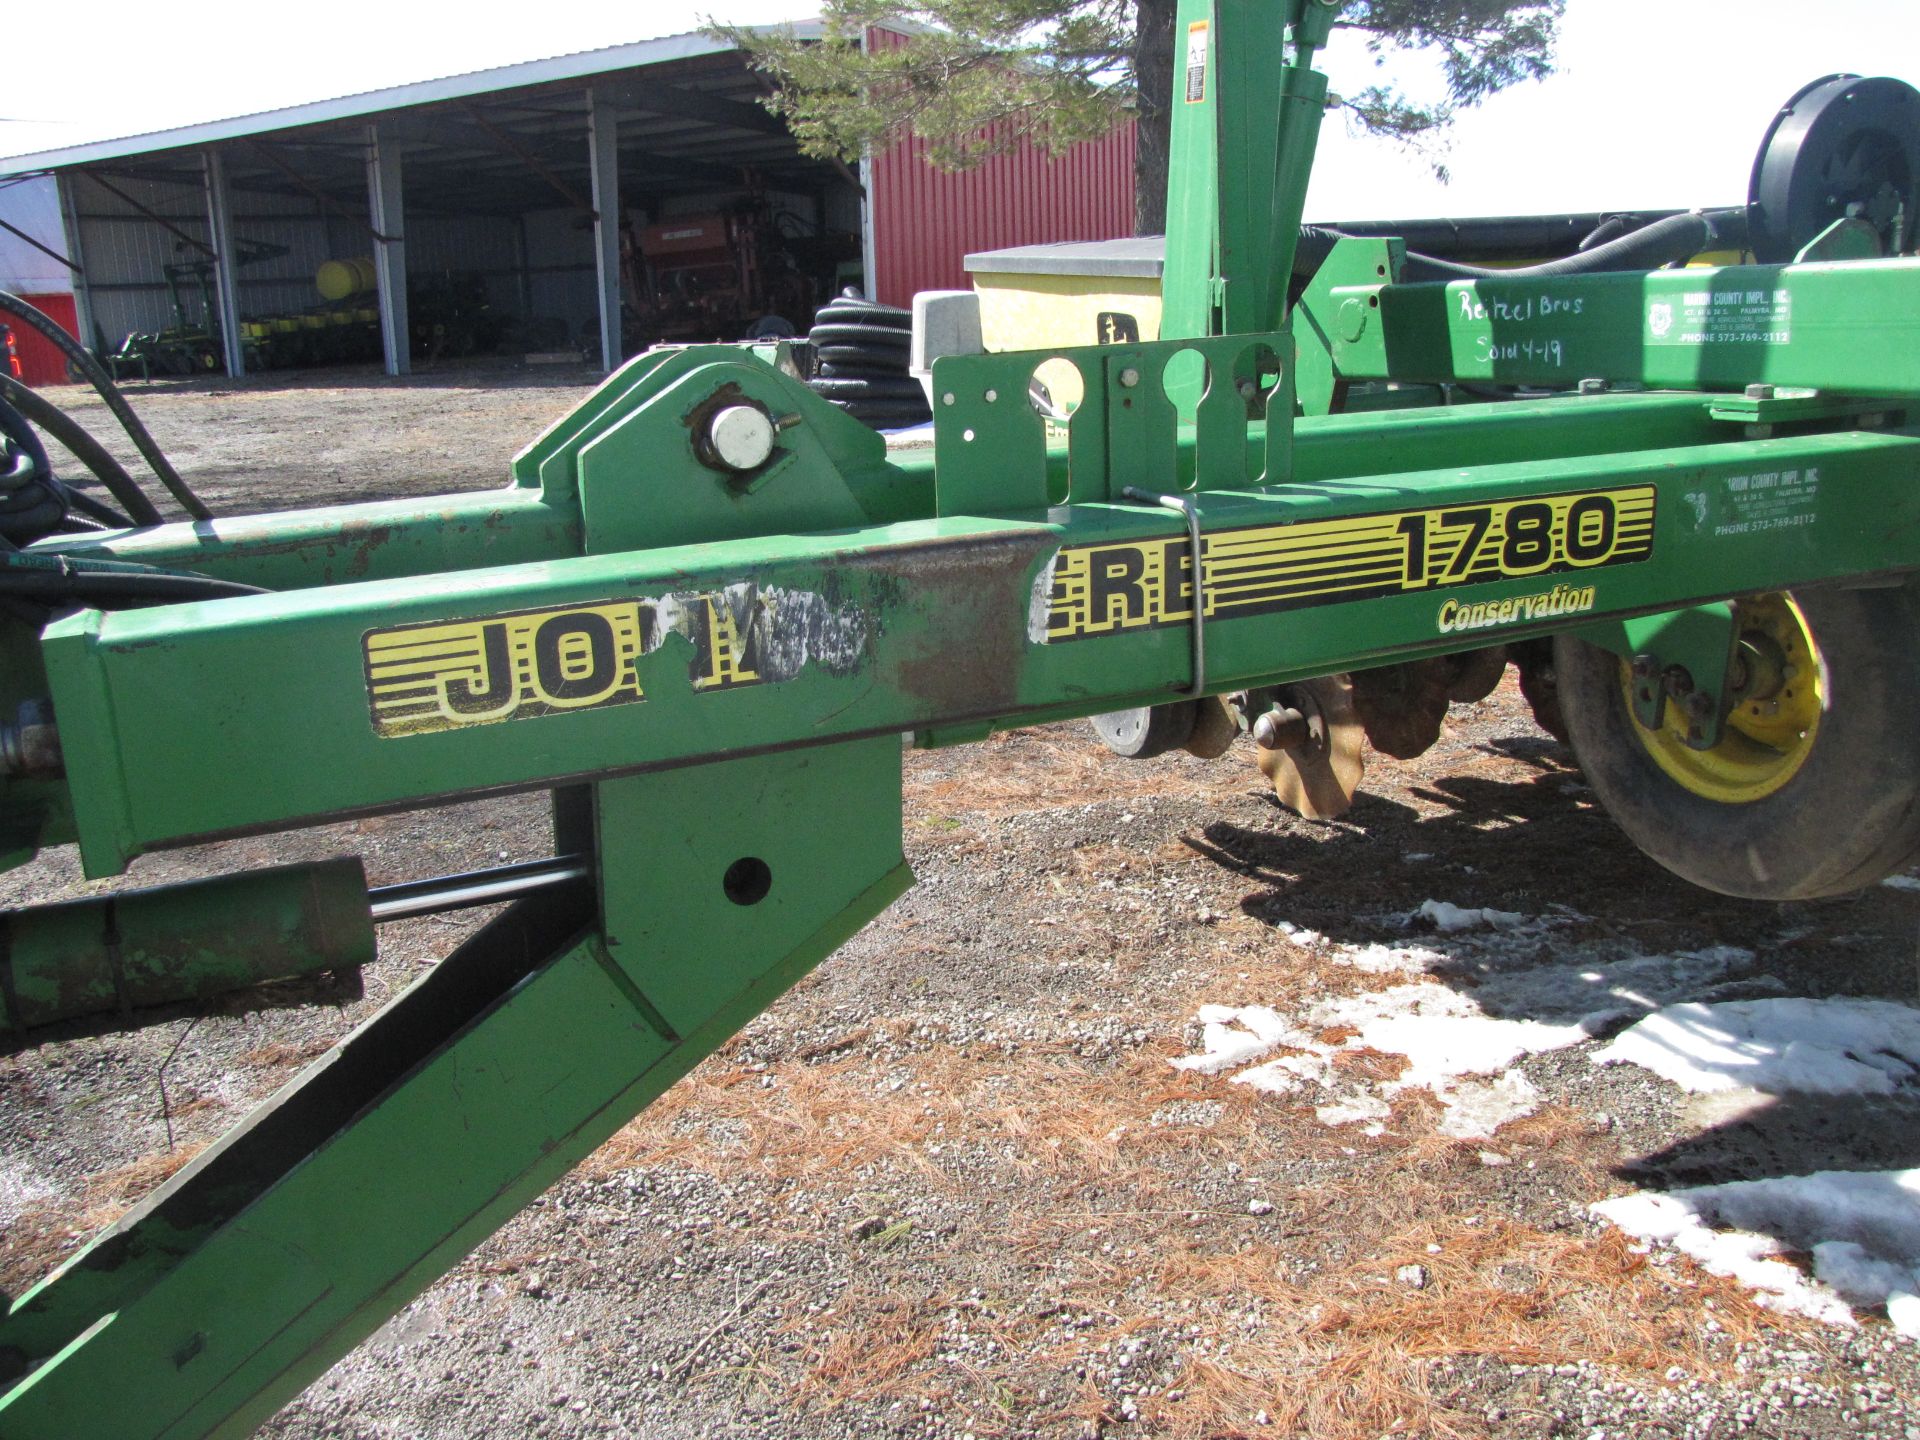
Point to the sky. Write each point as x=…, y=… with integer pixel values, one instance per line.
x=1658, y=103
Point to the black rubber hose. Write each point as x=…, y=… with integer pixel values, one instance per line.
x=1665, y=242
x=19, y=309
x=59, y=577
x=32, y=502
x=1607, y=231
x=81, y=503
x=14, y=426
x=87, y=450
x=110, y=592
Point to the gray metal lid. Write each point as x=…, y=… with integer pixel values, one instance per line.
x=1139, y=257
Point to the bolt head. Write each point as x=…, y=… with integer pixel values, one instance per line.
x=741, y=437
x=1129, y=378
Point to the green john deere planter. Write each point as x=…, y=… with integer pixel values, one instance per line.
x=1686, y=501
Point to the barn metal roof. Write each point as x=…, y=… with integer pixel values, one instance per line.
x=530, y=74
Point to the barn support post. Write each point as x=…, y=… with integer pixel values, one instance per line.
x=603, y=163
x=226, y=285
x=524, y=260
x=385, y=203
x=82, y=289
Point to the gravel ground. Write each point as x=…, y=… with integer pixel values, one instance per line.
x=951, y=1185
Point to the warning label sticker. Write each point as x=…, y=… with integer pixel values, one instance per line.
x=1196, y=62
x=1131, y=585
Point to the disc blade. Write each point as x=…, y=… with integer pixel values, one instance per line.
x=1320, y=780
x=1214, y=729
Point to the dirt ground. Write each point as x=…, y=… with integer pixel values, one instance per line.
x=952, y=1185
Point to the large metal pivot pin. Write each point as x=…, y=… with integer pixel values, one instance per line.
x=740, y=437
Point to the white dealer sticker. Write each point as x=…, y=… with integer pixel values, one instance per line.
x=1722, y=317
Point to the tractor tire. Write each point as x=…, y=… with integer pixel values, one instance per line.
x=877, y=387
x=863, y=312
x=870, y=358
x=887, y=414
x=844, y=371
x=1812, y=791
x=1147, y=731
x=871, y=337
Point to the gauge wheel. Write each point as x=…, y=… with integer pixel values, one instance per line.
x=1814, y=786
x=1147, y=731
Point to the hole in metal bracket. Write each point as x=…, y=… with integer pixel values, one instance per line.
x=747, y=880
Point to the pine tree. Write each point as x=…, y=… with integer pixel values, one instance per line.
x=973, y=78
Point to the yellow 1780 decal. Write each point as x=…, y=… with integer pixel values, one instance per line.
x=1138, y=584
x=445, y=675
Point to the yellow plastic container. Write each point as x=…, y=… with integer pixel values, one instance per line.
x=1042, y=297
x=341, y=279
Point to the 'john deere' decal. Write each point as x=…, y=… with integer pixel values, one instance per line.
x=448, y=674
x=1138, y=584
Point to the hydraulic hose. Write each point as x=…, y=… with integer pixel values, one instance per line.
x=107, y=584
x=1610, y=229
x=28, y=315
x=32, y=502
x=1674, y=240
x=89, y=451
x=1668, y=241
x=81, y=504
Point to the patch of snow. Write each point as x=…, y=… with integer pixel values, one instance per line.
x=1862, y=1229
x=1777, y=1047
x=1232, y=1035
x=1441, y=1032
x=1902, y=882
x=1378, y=959
x=1477, y=1108
x=1450, y=919
x=1309, y=1066
x=1353, y=1110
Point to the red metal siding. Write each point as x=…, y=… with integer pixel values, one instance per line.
x=925, y=221
x=39, y=362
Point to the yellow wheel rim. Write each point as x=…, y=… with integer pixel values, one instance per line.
x=1768, y=736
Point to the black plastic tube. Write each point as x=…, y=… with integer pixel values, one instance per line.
x=107, y=583
x=1666, y=241
x=28, y=315
x=108, y=592
x=32, y=502
x=1670, y=241
x=89, y=451
x=82, y=504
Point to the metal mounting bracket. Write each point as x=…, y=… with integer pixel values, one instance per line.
x=1186, y=506
x=1680, y=657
